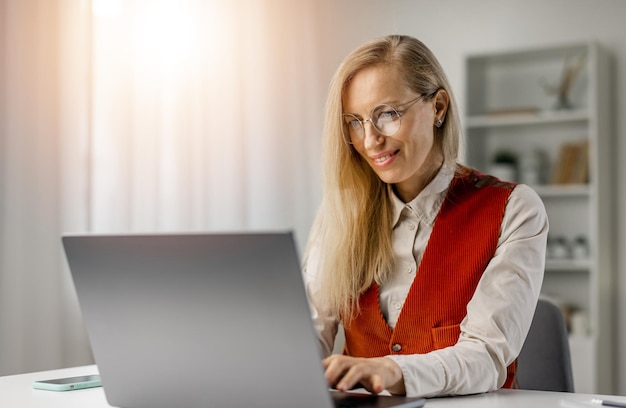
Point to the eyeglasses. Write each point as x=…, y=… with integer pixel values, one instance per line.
x=384, y=118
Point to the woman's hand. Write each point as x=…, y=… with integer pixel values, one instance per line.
x=374, y=374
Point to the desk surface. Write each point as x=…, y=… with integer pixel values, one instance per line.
x=16, y=391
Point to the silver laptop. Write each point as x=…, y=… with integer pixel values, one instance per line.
x=202, y=320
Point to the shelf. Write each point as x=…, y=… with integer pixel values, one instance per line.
x=568, y=265
x=563, y=190
x=522, y=119
x=509, y=108
x=581, y=340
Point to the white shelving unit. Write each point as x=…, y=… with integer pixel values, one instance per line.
x=508, y=109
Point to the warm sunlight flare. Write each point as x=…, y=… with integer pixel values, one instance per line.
x=106, y=8
x=164, y=32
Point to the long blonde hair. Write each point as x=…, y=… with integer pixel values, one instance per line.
x=352, y=231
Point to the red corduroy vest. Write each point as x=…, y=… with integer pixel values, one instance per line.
x=462, y=242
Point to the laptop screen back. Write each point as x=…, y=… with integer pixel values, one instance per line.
x=198, y=320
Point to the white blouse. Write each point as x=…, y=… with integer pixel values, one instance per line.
x=498, y=315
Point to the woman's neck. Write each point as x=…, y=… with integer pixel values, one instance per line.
x=409, y=190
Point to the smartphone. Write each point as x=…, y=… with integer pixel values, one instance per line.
x=68, y=384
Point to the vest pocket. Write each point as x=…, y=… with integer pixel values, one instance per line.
x=445, y=336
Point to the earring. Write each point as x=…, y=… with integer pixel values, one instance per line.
x=439, y=123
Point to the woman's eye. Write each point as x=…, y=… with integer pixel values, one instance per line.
x=353, y=123
x=387, y=115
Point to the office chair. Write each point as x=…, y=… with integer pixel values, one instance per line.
x=545, y=362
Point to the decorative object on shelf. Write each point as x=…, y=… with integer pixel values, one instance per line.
x=558, y=248
x=579, y=323
x=580, y=248
x=572, y=166
x=533, y=167
x=504, y=166
x=571, y=70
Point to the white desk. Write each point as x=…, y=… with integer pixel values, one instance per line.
x=16, y=392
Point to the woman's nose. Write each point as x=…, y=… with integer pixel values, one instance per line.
x=371, y=137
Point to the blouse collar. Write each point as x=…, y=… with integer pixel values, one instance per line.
x=428, y=202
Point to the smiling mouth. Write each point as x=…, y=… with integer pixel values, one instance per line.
x=383, y=159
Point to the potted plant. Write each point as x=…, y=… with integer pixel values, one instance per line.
x=504, y=165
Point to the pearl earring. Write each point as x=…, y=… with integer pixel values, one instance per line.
x=439, y=123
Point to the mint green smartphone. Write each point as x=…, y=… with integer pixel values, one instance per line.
x=68, y=384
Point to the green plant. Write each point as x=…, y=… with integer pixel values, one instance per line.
x=505, y=157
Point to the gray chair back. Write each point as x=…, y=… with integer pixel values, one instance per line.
x=545, y=362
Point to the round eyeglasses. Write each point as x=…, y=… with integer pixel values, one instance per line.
x=385, y=119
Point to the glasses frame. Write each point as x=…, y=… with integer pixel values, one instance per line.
x=400, y=112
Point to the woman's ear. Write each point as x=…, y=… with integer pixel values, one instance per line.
x=441, y=105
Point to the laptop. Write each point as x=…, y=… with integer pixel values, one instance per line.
x=203, y=320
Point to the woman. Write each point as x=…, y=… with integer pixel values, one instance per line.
x=445, y=318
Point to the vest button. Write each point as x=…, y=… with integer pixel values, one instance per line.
x=396, y=347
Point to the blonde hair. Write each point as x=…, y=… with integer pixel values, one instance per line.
x=352, y=231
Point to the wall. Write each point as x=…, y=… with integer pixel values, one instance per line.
x=456, y=28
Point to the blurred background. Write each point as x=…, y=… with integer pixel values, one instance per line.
x=197, y=115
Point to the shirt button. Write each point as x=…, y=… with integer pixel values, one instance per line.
x=411, y=227
x=397, y=305
x=396, y=347
x=409, y=269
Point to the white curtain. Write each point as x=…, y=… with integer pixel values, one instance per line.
x=142, y=116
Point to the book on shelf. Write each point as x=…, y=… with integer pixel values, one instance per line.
x=572, y=165
x=513, y=112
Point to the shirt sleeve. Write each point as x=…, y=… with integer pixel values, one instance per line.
x=326, y=324
x=498, y=315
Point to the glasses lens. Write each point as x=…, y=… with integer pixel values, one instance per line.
x=353, y=127
x=386, y=119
